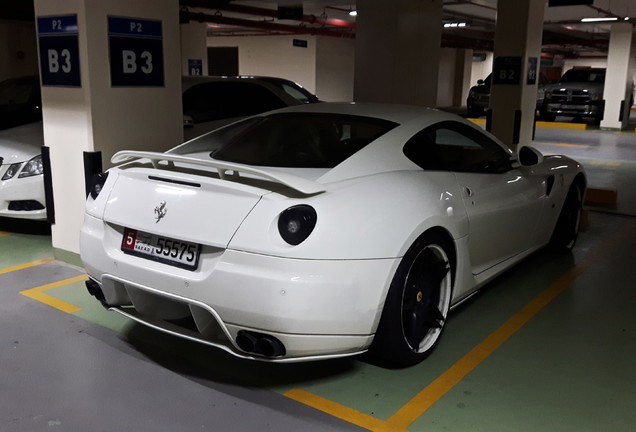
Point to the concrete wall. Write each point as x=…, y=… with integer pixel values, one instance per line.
x=481, y=69
x=274, y=56
x=18, y=49
x=334, y=68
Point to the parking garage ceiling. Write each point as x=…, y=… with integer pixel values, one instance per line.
x=469, y=23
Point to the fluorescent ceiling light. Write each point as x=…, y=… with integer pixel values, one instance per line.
x=353, y=13
x=598, y=19
x=455, y=24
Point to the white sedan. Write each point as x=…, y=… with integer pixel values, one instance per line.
x=21, y=172
x=322, y=230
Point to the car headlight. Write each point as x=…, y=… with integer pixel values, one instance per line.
x=296, y=223
x=12, y=171
x=32, y=168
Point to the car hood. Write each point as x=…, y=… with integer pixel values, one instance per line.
x=21, y=143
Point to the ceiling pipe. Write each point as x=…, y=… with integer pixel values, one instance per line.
x=604, y=11
x=269, y=13
x=220, y=19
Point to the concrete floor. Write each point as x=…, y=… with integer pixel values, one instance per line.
x=549, y=346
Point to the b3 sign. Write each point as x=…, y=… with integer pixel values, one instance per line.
x=136, y=52
x=59, y=51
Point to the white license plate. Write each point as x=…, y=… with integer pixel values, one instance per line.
x=167, y=250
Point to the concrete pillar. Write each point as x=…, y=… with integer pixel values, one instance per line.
x=515, y=70
x=194, y=50
x=463, y=69
x=96, y=110
x=618, y=79
x=397, y=50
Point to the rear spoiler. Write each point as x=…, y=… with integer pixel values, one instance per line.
x=299, y=184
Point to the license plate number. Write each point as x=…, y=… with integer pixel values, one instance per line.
x=167, y=250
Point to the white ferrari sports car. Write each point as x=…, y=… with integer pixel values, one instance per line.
x=322, y=230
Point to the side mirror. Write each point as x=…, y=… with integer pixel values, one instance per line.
x=480, y=82
x=529, y=156
x=188, y=123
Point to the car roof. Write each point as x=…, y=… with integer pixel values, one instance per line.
x=191, y=81
x=396, y=113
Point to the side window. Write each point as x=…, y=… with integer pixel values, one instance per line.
x=227, y=99
x=453, y=146
x=250, y=98
x=202, y=102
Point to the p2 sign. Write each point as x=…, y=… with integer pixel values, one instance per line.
x=136, y=52
x=59, y=51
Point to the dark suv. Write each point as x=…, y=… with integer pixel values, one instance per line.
x=479, y=96
x=579, y=93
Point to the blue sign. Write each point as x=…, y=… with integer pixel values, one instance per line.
x=195, y=67
x=507, y=70
x=136, y=52
x=59, y=51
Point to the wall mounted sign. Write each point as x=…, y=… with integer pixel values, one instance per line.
x=507, y=70
x=532, y=70
x=300, y=43
x=59, y=51
x=135, y=48
x=195, y=67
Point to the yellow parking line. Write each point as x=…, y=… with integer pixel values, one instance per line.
x=445, y=382
x=562, y=125
x=612, y=164
x=563, y=144
x=26, y=265
x=4, y=233
x=39, y=295
x=340, y=411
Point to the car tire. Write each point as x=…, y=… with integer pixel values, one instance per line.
x=566, y=230
x=416, y=305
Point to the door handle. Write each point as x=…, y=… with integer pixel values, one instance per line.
x=468, y=191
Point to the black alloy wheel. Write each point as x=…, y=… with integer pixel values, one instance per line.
x=417, y=304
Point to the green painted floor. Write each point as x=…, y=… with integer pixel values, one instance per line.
x=569, y=368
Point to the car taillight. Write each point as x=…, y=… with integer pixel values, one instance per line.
x=296, y=223
x=97, y=183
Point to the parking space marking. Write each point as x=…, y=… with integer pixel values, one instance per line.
x=564, y=144
x=421, y=402
x=38, y=294
x=410, y=412
x=611, y=164
x=340, y=411
x=26, y=265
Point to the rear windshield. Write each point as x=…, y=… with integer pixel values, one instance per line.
x=584, y=75
x=293, y=140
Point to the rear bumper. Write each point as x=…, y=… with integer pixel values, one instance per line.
x=316, y=308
